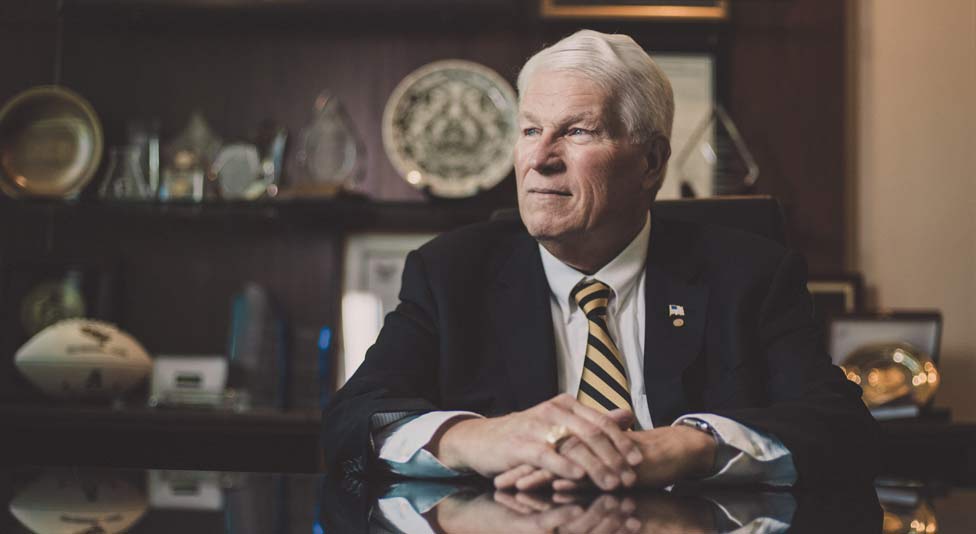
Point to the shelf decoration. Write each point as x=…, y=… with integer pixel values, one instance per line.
x=329, y=156
x=449, y=127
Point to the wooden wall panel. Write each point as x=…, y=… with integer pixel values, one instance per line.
x=27, y=45
x=786, y=92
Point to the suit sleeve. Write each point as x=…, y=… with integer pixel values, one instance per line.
x=813, y=409
x=397, y=379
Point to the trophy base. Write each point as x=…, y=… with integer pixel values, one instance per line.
x=298, y=191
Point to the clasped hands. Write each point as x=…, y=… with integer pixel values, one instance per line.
x=514, y=451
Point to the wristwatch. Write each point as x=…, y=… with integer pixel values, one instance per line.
x=703, y=426
x=721, y=452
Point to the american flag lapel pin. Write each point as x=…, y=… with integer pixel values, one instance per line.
x=677, y=315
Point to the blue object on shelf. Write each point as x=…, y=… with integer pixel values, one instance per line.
x=325, y=366
x=258, y=350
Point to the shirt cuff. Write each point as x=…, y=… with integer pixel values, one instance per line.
x=766, y=512
x=403, y=505
x=745, y=455
x=401, y=445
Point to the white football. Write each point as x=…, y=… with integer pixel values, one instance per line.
x=63, y=503
x=83, y=358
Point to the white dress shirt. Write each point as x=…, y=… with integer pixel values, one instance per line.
x=744, y=455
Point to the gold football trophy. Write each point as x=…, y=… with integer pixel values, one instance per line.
x=892, y=372
x=919, y=519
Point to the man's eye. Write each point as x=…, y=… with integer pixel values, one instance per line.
x=578, y=131
x=530, y=131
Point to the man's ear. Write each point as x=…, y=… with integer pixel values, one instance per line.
x=657, y=154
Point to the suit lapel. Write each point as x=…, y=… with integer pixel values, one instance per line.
x=522, y=325
x=669, y=350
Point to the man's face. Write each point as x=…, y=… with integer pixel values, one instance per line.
x=575, y=166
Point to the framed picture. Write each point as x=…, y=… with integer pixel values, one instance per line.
x=692, y=77
x=836, y=294
x=637, y=9
x=373, y=263
x=372, y=268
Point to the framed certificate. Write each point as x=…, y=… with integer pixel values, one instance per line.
x=374, y=264
x=637, y=9
x=692, y=77
x=373, y=267
x=838, y=294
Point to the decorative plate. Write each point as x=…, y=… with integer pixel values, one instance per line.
x=50, y=143
x=450, y=126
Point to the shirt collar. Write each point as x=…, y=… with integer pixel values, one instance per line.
x=621, y=274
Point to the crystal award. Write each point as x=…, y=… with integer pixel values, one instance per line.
x=124, y=179
x=328, y=156
x=716, y=160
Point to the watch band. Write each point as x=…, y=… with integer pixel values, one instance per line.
x=703, y=426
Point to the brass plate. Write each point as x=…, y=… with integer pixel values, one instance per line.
x=50, y=143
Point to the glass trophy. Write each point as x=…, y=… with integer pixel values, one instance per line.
x=271, y=142
x=125, y=179
x=239, y=173
x=892, y=373
x=197, y=138
x=328, y=155
x=716, y=160
x=183, y=179
x=188, y=155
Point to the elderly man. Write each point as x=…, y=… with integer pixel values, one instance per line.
x=599, y=344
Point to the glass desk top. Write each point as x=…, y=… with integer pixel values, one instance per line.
x=106, y=501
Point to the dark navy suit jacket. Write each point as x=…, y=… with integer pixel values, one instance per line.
x=473, y=332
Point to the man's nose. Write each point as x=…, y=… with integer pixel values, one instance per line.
x=546, y=157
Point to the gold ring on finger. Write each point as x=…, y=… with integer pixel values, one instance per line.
x=557, y=435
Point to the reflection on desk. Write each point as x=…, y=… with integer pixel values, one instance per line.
x=426, y=507
x=418, y=507
x=87, y=501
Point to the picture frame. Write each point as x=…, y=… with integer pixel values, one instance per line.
x=373, y=262
x=673, y=10
x=837, y=294
x=372, y=270
x=693, y=79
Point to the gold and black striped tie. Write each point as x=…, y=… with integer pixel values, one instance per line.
x=603, y=385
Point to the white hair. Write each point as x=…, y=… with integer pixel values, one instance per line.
x=645, y=101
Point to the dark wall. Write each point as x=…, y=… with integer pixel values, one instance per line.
x=786, y=89
x=780, y=73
